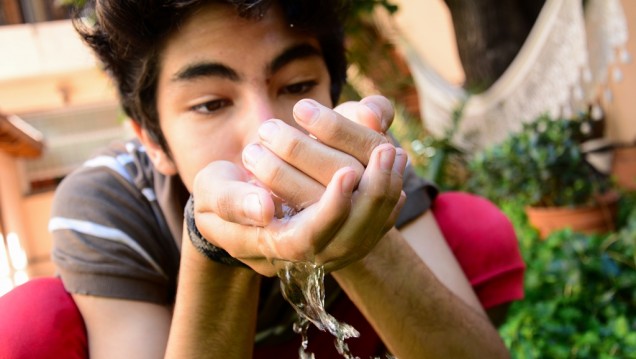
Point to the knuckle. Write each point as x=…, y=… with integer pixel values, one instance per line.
x=224, y=207
x=272, y=174
x=372, y=141
x=292, y=148
x=330, y=123
x=394, y=195
x=377, y=193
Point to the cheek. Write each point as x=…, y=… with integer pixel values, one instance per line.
x=196, y=147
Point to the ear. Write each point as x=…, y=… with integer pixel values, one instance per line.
x=162, y=162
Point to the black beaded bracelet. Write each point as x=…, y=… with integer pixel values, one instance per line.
x=202, y=245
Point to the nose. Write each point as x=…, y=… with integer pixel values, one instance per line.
x=257, y=110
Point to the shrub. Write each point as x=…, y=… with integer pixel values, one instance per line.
x=580, y=297
x=541, y=165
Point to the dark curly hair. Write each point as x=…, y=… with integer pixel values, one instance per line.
x=127, y=36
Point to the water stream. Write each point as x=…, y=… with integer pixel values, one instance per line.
x=302, y=285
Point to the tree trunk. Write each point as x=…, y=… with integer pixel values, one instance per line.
x=489, y=34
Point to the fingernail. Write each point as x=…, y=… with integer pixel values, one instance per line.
x=306, y=111
x=348, y=183
x=387, y=157
x=252, y=207
x=252, y=154
x=376, y=110
x=401, y=158
x=268, y=131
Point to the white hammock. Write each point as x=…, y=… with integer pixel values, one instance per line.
x=560, y=69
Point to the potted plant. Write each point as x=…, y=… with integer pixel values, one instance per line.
x=579, y=292
x=543, y=167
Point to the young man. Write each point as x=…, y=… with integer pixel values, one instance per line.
x=231, y=101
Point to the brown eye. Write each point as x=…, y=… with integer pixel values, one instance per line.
x=211, y=106
x=299, y=88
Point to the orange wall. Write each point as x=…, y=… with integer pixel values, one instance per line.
x=38, y=207
x=38, y=242
x=621, y=112
x=427, y=25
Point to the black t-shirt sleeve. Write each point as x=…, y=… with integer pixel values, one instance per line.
x=419, y=196
x=106, y=241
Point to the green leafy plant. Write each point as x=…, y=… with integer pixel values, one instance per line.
x=68, y=3
x=541, y=165
x=580, y=293
x=445, y=163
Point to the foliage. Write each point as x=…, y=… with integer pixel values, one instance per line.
x=76, y=3
x=434, y=158
x=542, y=165
x=580, y=293
x=409, y=133
x=376, y=65
x=444, y=162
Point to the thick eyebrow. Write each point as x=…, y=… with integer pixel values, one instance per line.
x=205, y=69
x=291, y=54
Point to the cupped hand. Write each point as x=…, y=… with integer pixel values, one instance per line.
x=238, y=215
x=343, y=226
x=345, y=179
x=297, y=167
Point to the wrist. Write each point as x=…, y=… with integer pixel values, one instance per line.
x=201, y=244
x=378, y=256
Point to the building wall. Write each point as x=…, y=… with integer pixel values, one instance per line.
x=428, y=26
x=621, y=112
x=38, y=239
x=43, y=67
x=46, y=66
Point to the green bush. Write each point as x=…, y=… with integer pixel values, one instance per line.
x=541, y=165
x=580, y=292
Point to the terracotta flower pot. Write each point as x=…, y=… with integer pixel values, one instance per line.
x=624, y=167
x=586, y=219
